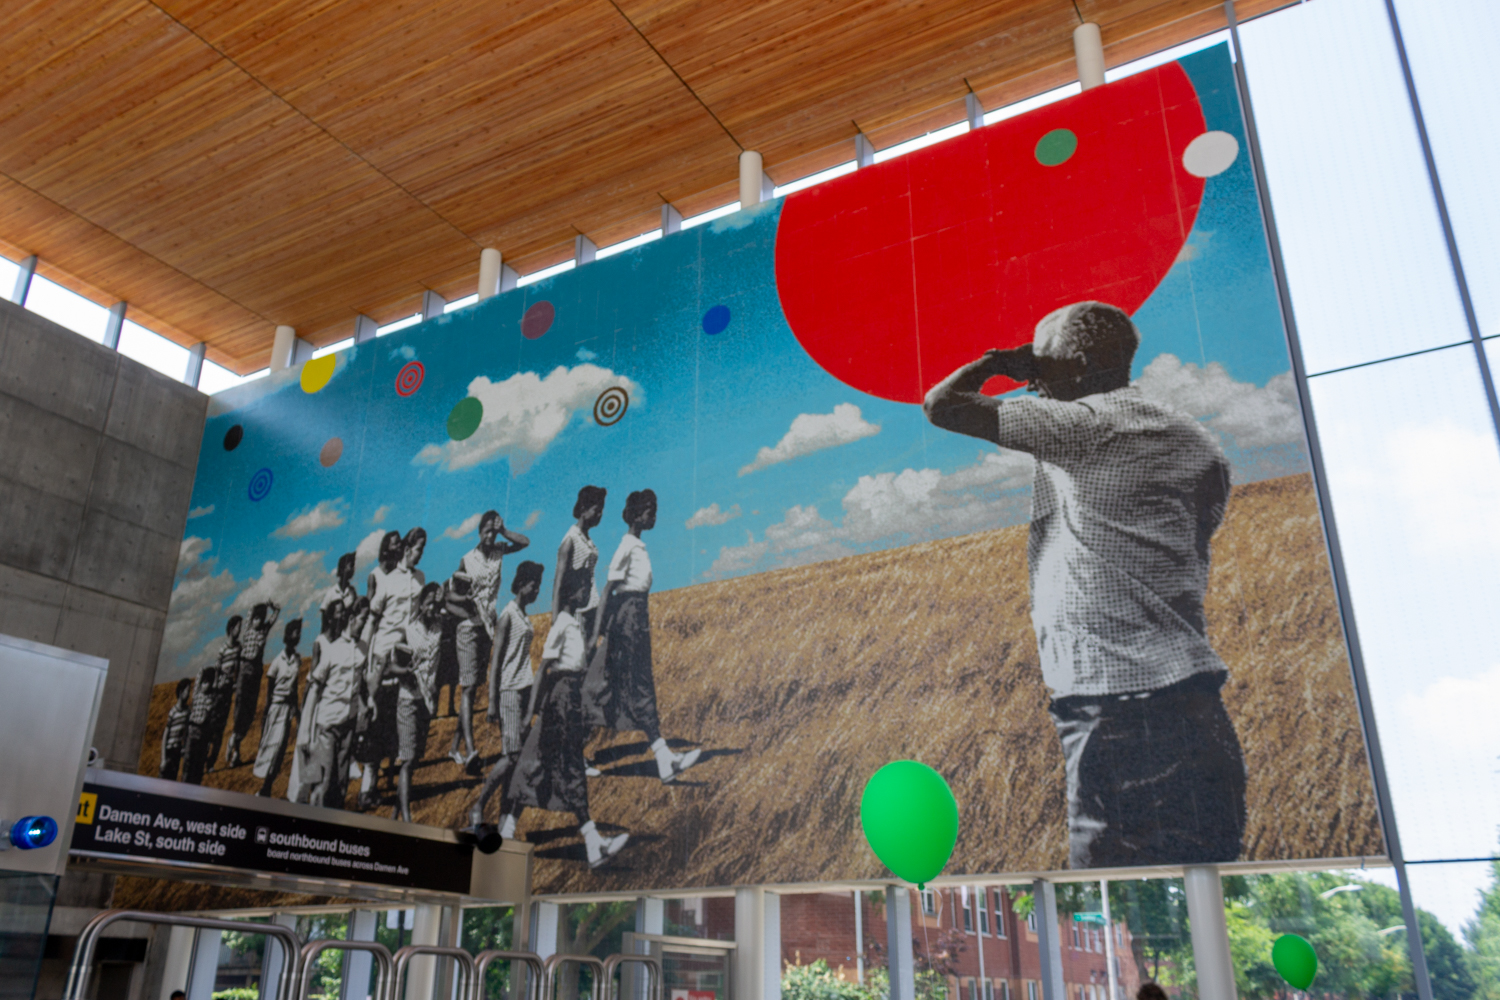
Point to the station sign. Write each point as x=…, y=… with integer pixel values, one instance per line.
x=171, y=824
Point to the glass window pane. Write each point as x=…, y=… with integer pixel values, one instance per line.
x=1368, y=268
x=1450, y=45
x=1414, y=473
x=216, y=378
x=333, y=348
x=1458, y=908
x=67, y=308
x=153, y=350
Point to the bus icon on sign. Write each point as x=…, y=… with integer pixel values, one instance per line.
x=262, y=834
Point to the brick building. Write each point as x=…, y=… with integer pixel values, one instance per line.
x=971, y=935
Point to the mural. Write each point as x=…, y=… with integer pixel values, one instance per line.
x=988, y=455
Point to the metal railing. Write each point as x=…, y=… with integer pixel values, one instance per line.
x=555, y=962
x=463, y=958
x=295, y=980
x=313, y=949
x=653, y=975
x=530, y=959
x=88, y=941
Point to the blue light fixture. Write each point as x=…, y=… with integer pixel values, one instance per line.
x=31, y=832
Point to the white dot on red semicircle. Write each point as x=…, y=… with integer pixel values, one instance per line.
x=1210, y=154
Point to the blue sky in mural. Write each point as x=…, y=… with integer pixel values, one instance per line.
x=759, y=458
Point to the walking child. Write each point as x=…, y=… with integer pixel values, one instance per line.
x=620, y=692
x=472, y=594
x=414, y=665
x=248, y=676
x=281, y=707
x=334, y=698
x=174, y=737
x=209, y=709
x=511, y=679
x=550, y=773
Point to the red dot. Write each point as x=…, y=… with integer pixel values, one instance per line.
x=894, y=276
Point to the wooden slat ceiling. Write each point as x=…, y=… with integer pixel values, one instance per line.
x=229, y=165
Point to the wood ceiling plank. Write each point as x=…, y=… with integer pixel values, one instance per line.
x=238, y=162
x=32, y=224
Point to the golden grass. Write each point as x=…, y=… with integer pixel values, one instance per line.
x=820, y=674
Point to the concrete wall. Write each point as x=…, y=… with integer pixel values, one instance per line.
x=97, y=457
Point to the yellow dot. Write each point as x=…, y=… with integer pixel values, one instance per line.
x=317, y=372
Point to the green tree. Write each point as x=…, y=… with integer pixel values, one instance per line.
x=1482, y=934
x=1155, y=910
x=487, y=927
x=589, y=929
x=818, y=982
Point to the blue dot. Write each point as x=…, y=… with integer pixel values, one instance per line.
x=715, y=320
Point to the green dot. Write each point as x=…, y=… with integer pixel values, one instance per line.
x=1056, y=147
x=464, y=419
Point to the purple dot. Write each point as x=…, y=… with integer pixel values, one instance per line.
x=538, y=320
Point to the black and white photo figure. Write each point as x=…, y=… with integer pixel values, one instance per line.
x=210, y=706
x=1126, y=496
x=577, y=555
x=247, y=679
x=550, y=772
x=511, y=679
x=354, y=630
x=343, y=588
x=390, y=589
x=174, y=736
x=414, y=666
x=619, y=692
x=282, y=707
x=334, y=700
x=473, y=590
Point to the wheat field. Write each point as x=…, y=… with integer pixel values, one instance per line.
x=800, y=683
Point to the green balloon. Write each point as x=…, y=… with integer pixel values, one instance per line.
x=1295, y=959
x=910, y=819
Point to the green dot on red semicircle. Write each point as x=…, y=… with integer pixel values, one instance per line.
x=464, y=418
x=1056, y=147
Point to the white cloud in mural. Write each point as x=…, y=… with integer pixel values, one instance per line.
x=532, y=519
x=463, y=528
x=889, y=509
x=200, y=512
x=197, y=609
x=713, y=516
x=812, y=432
x=1246, y=415
x=368, y=549
x=323, y=515
x=295, y=582
x=524, y=414
x=380, y=514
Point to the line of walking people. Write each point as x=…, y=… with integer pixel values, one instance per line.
x=374, y=680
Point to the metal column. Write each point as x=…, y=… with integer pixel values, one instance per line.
x=899, y=958
x=1210, y=932
x=1049, y=946
x=757, y=938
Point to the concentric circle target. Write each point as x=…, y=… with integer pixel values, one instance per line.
x=260, y=485
x=409, y=378
x=611, y=406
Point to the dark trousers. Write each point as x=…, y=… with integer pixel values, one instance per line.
x=246, y=697
x=332, y=750
x=1154, y=778
x=195, y=754
x=171, y=760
